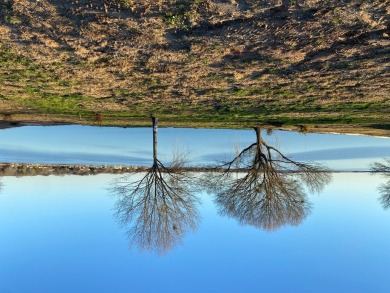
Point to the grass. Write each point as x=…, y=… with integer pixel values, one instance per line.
x=194, y=63
x=52, y=103
x=237, y=112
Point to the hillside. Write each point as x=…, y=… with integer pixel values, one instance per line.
x=231, y=63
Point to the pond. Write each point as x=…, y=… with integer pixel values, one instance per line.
x=327, y=232
x=133, y=146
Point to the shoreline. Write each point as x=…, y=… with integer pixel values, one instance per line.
x=35, y=169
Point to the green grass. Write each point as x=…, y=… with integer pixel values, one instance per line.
x=53, y=103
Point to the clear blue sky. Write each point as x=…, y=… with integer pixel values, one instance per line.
x=58, y=234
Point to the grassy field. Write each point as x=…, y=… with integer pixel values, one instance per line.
x=197, y=63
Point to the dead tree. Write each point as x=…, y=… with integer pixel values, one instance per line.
x=159, y=208
x=384, y=188
x=263, y=188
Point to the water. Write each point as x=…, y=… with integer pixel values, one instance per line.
x=70, y=234
x=133, y=146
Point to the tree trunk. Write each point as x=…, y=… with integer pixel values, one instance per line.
x=154, y=121
x=258, y=136
x=259, y=151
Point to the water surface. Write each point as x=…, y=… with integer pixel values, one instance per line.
x=133, y=146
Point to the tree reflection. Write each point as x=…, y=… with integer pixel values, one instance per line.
x=159, y=208
x=263, y=188
x=384, y=188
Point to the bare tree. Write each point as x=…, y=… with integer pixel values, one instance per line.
x=264, y=188
x=384, y=188
x=160, y=208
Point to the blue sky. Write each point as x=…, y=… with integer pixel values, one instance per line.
x=58, y=234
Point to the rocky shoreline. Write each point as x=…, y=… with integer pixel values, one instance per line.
x=26, y=169
x=21, y=169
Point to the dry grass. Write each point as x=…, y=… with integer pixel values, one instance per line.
x=202, y=62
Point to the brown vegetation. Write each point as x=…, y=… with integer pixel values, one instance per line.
x=230, y=62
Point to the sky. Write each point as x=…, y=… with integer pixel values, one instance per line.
x=59, y=234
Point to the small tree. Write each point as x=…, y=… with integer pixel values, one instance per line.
x=160, y=208
x=264, y=188
x=384, y=188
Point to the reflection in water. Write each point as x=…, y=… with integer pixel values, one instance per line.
x=259, y=187
x=384, y=188
x=263, y=188
x=160, y=208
